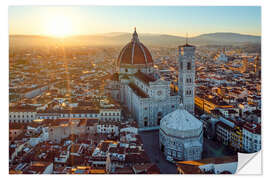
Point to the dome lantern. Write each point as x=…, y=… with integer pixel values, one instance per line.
x=135, y=36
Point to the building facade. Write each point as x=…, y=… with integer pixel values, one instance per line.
x=22, y=115
x=251, y=137
x=138, y=86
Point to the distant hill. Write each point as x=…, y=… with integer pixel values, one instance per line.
x=121, y=38
x=226, y=38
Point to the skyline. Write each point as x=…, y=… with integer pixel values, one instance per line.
x=62, y=21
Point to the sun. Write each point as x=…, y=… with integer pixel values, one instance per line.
x=59, y=26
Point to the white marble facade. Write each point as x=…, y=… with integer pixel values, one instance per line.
x=146, y=96
x=181, y=136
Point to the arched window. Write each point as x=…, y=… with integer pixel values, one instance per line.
x=126, y=70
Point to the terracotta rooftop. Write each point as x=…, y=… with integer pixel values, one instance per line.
x=192, y=167
x=144, y=78
x=254, y=128
x=148, y=168
x=138, y=91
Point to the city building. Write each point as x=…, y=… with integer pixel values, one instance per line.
x=181, y=136
x=109, y=111
x=223, y=132
x=22, y=114
x=219, y=165
x=221, y=57
x=257, y=66
x=251, y=137
x=207, y=103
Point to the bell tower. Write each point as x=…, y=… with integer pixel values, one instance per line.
x=186, y=75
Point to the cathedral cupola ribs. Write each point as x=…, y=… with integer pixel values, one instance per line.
x=134, y=53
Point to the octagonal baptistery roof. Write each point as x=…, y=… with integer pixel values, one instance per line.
x=134, y=53
x=180, y=123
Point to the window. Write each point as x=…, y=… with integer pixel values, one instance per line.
x=188, y=66
x=188, y=80
x=188, y=92
x=181, y=65
x=145, y=123
x=126, y=70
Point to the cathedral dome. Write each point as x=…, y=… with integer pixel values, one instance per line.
x=134, y=53
x=180, y=123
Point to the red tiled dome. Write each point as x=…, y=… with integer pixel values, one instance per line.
x=134, y=53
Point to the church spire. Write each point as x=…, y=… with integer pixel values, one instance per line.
x=186, y=38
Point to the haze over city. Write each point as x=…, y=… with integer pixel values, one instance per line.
x=62, y=21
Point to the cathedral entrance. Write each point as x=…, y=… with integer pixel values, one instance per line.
x=159, y=117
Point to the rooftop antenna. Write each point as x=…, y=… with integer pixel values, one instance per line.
x=186, y=38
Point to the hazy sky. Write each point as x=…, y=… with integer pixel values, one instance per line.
x=176, y=20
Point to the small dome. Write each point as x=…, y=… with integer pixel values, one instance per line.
x=134, y=53
x=181, y=123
